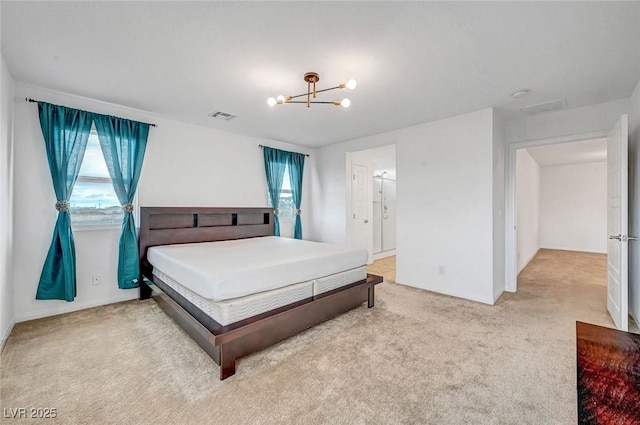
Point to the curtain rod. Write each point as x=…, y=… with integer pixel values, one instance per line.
x=263, y=146
x=28, y=99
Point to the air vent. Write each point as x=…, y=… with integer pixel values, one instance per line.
x=543, y=108
x=222, y=115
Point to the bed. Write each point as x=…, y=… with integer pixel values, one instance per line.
x=217, y=273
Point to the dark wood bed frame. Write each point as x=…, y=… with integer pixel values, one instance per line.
x=225, y=344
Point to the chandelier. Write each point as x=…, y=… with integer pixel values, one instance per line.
x=312, y=78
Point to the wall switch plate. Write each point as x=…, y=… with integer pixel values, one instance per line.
x=441, y=270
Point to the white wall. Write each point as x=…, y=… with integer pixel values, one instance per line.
x=6, y=203
x=185, y=165
x=573, y=207
x=498, y=206
x=598, y=118
x=634, y=204
x=528, y=207
x=445, y=192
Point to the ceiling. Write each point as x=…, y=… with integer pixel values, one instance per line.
x=414, y=61
x=570, y=153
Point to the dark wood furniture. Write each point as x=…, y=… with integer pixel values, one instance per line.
x=225, y=344
x=608, y=363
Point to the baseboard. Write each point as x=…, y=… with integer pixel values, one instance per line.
x=384, y=254
x=466, y=296
x=528, y=261
x=574, y=249
x=5, y=335
x=76, y=306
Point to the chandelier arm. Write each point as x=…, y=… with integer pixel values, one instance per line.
x=304, y=101
x=330, y=88
x=317, y=91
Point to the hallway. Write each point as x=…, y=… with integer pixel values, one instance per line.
x=385, y=267
x=568, y=280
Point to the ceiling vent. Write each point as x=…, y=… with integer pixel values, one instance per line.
x=222, y=115
x=543, y=108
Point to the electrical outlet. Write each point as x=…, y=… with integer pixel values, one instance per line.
x=441, y=270
x=96, y=279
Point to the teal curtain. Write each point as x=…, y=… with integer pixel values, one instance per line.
x=296, y=169
x=275, y=162
x=66, y=132
x=123, y=144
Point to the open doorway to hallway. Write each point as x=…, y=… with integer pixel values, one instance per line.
x=561, y=198
x=561, y=219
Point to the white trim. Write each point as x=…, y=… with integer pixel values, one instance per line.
x=559, y=248
x=445, y=291
x=525, y=264
x=81, y=228
x=384, y=254
x=131, y=294
x=511, y=261
x=6, y=334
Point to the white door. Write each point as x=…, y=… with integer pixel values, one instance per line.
x=361, y=205
x=617, y=224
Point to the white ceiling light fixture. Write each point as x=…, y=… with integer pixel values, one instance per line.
x=520, y=94
x=312, y=78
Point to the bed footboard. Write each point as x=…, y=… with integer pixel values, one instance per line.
x=226, y=344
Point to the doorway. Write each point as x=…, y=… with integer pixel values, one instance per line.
x=371, y=201
x=384, y=202
x=561, y=199
x=513, y=264
x=616, y=205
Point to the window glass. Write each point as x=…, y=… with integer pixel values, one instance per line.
x=93, y=200
x=286, y=209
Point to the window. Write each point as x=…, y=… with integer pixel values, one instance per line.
x=93, y=201
x=286, y=208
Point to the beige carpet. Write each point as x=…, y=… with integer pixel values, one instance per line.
x=416, y=358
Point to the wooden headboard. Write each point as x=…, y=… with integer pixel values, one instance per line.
x=175, y=225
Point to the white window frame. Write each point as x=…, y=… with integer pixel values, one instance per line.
x=93, y=227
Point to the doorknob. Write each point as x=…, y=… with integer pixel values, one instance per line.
x=624, y=238
x=366, y=221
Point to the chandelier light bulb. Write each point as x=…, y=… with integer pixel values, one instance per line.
x=311, y=79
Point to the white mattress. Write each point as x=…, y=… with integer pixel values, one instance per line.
x=234, y=310
x=328, y=283
x=236, y=268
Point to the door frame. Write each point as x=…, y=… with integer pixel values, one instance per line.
x=510, y=221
